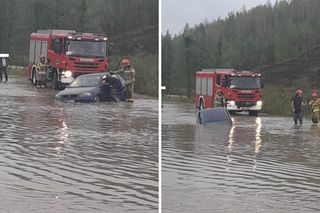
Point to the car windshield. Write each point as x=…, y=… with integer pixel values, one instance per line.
x=86, y=81
x=244, y=82
x=86, y=48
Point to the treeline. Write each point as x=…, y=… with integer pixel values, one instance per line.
x=131, y=25
x=247, y=39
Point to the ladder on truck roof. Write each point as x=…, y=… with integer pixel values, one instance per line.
x=55, y=31
x=216, y=70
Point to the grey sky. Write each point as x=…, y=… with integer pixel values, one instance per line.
x=176, y=13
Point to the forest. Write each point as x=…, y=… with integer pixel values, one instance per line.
x=132, y=28
x=279, y=40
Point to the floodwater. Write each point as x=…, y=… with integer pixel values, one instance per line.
x=260, y=164
x=73, y=157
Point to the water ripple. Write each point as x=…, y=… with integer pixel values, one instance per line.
x=260, y=164
x=70, y=157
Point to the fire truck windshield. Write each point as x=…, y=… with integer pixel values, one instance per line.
x=86, y=48
x=245, y=82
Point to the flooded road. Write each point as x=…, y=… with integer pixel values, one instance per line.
x=73, y=157
x=260, y=164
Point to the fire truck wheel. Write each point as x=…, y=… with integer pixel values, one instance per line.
x=33, y=79
x=201, y=105
x=54, y=81
x=253, y=113
x=199, y=118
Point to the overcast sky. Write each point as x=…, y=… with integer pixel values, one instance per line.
x=176, y=13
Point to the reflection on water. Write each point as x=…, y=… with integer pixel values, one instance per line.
x=72, y=157
x=63, y=130
x=258, y=138
x=252, y=134
x=260, y=164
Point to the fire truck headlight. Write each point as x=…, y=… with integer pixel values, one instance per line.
x=259, y=103
x=232, y=102
x=68, y=73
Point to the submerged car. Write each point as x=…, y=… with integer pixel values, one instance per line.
x=94, y=88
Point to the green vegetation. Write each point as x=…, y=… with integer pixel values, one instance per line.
x=16, y=71
x=132, y=26
x=146, y=67
x=277, y=99
x=279, y=40
x=177, y=98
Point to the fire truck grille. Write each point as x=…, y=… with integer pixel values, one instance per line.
x=245, y=104
x=245, y=96
x=86, y=65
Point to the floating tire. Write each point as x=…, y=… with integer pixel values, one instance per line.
x=55, y=83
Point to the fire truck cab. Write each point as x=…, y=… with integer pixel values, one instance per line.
x=241, y=90
x=68, y=54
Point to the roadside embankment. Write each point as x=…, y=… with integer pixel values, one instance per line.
x=177, y=98
x=16, y=70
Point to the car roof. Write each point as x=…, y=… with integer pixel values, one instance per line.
x=95, y=74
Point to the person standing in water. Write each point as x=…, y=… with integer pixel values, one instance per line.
x=296, y=104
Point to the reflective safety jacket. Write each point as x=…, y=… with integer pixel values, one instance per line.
x=218, y=100
x=129, y=75
x=315, y=105
x=41, y=66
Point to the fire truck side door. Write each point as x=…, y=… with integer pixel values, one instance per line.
x=226, y=81
x=218, y=80
x=109, y=48
x=261, y=83
x=57, y=45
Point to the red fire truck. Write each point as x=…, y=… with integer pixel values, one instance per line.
x=68, y=54
x=241, y=90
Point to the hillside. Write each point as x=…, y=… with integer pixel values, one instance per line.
x=284, y=37
x=141, y=39
x=304, y=68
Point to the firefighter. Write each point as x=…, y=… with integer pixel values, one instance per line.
x=315, y=107
x=3, y=68
x=218, y=99
x=129, y=77
x=41, y=71
x=296, y=103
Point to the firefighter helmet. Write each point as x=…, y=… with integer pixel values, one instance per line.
x=125, y=62
x=42, y=58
